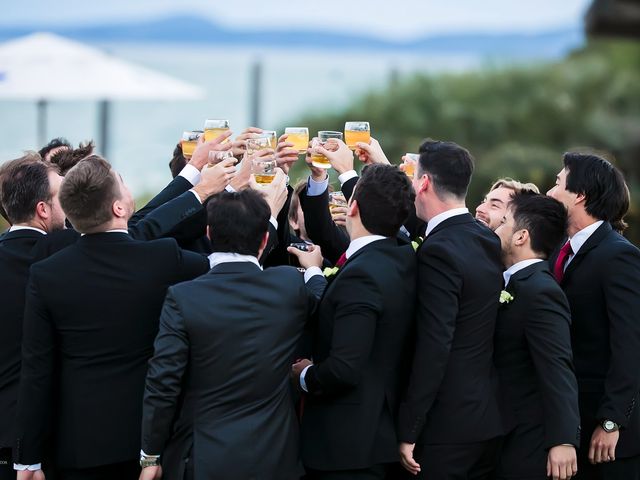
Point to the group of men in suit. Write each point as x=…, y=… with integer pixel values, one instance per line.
x=448, y=357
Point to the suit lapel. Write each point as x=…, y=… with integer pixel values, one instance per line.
x=592, y=242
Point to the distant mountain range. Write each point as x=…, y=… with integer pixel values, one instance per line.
x=185, y=29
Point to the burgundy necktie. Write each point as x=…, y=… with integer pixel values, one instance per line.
x=342, y=260
x=561, y=261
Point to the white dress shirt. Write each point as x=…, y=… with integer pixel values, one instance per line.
x=441, y=217
x=315, y=188
x=15, y=228
x=354, y=246
x=216, y=258
x=516, y=267
x=580, y=238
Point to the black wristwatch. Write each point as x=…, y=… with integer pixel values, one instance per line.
x=609, y=426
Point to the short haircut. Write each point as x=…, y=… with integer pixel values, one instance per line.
x=178, y=162
x=543, y=217
x=67, y=159
x=385, y=196
x=24, y=185
x=55, y=143
x=88, y=192
x=514, y=185
x=602, y=184
x=8, y=166
x=448, y=165
x=238, y=221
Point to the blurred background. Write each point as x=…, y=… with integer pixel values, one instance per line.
x=517, y=83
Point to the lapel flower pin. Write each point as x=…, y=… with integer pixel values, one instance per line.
x=505, y=297
x=330, y=272
x=416, y=243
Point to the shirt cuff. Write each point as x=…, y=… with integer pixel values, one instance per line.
x=315, y=189
x=147, y=455
x=303, y=384
x=191, y=173
x=346, y=176
x=274, y=222
x=196, y=195
x=32, y=468
x=310, y=272
x=230, y=189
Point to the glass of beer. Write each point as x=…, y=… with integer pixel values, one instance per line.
x=189, y=142
x=299, y=136
x=325, y=139
x=355, y=132
x=410, y=166
x=336, y=199
x=217, y=157
x=214, y=128
x=255, y=144
x=272, y=135
x=264, y=170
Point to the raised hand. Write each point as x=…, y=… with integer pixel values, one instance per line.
x=215, y=179
x=371, y=152
x=285, y=155
x=200, y=155
x=239, y=145
x=338, y=154
x=275, y=193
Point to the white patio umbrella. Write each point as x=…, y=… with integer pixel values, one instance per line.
x=45, y=67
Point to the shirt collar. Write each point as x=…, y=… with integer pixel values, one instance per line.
x=15, y=228
x=516, y=267
x=583, y=235
x=361, y=242
x=118, y=230
x=216, y=258
x=441, y=217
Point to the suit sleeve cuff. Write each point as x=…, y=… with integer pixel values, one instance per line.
x=196, y=195
x=311, y=272
x=346, y=176
x=315, y=189
x=191, y=174
x=303, y=384
x=32, y=468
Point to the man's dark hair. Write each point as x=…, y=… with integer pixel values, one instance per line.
x=8, y=166
x=24, y=185
x=88, y=192
x=602, y=184
x=178, y=162
x=544, y=217
x=55, y=143
x=67, y=159
x=237, y=221
x=448, y=165
x=384, y=195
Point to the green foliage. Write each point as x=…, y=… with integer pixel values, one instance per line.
x=516, y=121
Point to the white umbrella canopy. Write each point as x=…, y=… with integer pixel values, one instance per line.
x=45, y=67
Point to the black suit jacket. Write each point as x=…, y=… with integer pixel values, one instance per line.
x=218, y=389
x=90, y=319
x=534, y=363
x=601, y=283
x=452, y=396
x=361, y=352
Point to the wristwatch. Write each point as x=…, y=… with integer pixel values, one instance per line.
x=149, y=460
x=610, y=426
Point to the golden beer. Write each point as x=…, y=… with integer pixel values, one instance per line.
x=299, y=136
x=324, y=139
x=264, y=178
x=255, y=144
x=214, y=128
x=189, y=142
x=410, y=167
x=320, y=161
x=272, y=136
x=355, y=132
x=336, y=199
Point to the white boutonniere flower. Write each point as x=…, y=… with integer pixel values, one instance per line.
x=505, y=297
x=330, y=272
x=416, y=243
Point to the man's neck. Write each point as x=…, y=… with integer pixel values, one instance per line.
x=33, y=224
x=521, y=256
x=358, y=232
x=579, y=221
x=442, y=207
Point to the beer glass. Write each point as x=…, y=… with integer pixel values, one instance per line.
x=217, y=157
x=189, y=142
x=255, y=144
x=272, y=136
x=299, y=136
x=264, y=170
x=336, y=199
x=355, y=132
x=214, y=128
x=409, y=167
x=324, y=139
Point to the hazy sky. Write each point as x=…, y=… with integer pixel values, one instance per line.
x=388, y=18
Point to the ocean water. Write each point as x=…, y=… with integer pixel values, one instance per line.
x=143, y=134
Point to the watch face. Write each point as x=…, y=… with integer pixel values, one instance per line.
x=609, y=425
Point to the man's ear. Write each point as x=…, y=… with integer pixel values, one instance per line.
x=580, y=198
x=425, y=183
x=353, y=209
x=208, y=232
x=521, y=237
x=119, y=209
x=43, y=210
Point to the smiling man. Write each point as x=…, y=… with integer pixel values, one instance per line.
x=495, y=203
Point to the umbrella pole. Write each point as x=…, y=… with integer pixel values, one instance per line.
x=103, y=122
x=42, y=123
